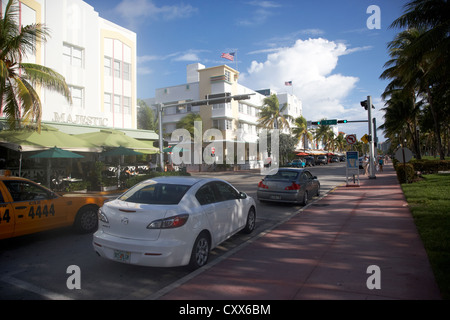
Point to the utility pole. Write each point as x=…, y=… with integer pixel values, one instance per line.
x=371, y=141
x=161, y=146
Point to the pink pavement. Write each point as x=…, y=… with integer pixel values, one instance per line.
x=325, y=251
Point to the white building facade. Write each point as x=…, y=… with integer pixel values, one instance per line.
x=97, y=59
x=237, y=120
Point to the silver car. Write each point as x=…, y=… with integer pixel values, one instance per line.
x=288, y=185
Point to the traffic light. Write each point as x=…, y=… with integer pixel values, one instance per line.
x=342, y=121
x=315, y=123
x=364, y=104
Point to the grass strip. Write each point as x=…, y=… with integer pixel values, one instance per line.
x=429, y=202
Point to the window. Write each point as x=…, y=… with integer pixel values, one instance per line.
x=206, y=194
x=226, y=191
x=26, y=191
x=107, y=102
x=126, y=71
x=73, y=55
x=227, y=76
x=283, y=175
x=127, y=105
x=77, y=96
x=151, y=192
x=217, y=124
x=108, y=67
x=117, y=69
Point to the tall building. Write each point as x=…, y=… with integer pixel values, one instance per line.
x=237, y=119
x=97, y=59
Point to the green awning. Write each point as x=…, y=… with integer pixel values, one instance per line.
x=49, y=137
x=111, y=138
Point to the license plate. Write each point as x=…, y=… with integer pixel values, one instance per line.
x=123, y=256
x=275, y=197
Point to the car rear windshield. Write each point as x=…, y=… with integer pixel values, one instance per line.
x=152, y=192
x=283, y=175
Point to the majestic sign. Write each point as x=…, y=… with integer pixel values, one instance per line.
x=80, y=119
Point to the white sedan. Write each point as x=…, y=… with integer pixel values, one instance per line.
x=172, y=221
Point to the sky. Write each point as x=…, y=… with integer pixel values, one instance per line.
x=333, y=51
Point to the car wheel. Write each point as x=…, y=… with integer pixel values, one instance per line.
x=305, y=198
x=86, y=220
x=200, y=251
x=318, y=190
x=251, y=221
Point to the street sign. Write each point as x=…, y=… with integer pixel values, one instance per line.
x=403, y=155
x=352, y=168
x=351, y=138
x=365, y=138
x=327, y=122
x=352, y=160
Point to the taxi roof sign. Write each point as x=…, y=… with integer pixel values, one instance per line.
x=5, y=173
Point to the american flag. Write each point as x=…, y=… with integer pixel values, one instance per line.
x=229, y=56
x=288, y=83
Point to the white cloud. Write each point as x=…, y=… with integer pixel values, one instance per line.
x=135, y=11
x=187, y=57
x=309, y=65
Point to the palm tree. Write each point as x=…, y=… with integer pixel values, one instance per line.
x=188, y=122
x=325, y=134
x=401, y=116
x=271, y=115
x=405, y=89
x=19, y=101
x=300, y=130
x=433, y=46
x=340, y=142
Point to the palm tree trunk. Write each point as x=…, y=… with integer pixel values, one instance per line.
x=437, y=129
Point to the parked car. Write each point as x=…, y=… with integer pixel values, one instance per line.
x=335, y=159
x=27, y=207
x=309, y=161
x=321, y=160
x=297, y=163
x=288, y=185
x=172, y=221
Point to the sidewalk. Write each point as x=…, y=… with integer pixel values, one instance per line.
x=324, y=252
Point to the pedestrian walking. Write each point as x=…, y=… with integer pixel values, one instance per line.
x=380, y=164
x=366, y=165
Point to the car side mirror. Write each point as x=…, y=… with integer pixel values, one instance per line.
x=242, y=195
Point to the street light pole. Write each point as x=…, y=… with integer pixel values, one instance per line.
x=161, y=146
x=371, y=142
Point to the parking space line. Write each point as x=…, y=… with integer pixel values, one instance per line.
x=33, y=288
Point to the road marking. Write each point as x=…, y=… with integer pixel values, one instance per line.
x=33, y=288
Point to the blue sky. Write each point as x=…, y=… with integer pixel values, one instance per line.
x=324, y=47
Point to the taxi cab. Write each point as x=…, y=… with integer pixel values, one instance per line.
x=27, y=207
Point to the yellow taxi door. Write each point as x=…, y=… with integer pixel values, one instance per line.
x=33, y=207
x=6, y=216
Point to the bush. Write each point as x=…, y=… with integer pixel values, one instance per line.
x=430, y=166
x=405, y=172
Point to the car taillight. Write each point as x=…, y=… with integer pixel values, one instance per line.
x=293, y=186
x=169, y=223
x=262, y=185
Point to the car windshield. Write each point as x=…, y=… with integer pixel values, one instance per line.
x=153, y=192
x=283, y=175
